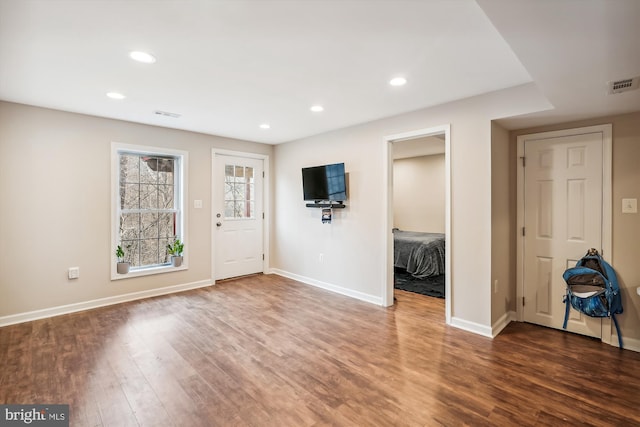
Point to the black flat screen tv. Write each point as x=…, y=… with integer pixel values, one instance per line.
x=324, y=183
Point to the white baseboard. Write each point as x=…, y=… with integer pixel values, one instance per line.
x=632, y=344
x=502, y=322
x=328, y=286
x=102, y=302
x=476, y=328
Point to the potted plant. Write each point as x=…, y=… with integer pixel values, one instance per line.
x=123, y=266
x=175, y=250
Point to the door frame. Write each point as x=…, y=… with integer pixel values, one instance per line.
x=387, y=188
x=606, y=131
x=266, y=229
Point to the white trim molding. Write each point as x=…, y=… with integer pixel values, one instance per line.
x=607, y=190
x=502, y=323
x=266, y=204
x=468, y=326
x=387, y=188
x=182, y=201
x=632, y=344
x=102, y=302
x=328, y=286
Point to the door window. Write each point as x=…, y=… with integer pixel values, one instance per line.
x=239, y=192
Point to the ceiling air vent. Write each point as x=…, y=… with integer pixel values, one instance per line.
x=623, y=85
x=166, y=114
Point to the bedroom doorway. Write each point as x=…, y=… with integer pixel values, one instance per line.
x=418, y=211
x=418, y=215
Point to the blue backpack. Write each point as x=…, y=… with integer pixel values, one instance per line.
x=592, y=289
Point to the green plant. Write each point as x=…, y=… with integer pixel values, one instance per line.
x=176, y=248
x=120, y=253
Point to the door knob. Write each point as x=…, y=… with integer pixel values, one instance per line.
x=218, y=224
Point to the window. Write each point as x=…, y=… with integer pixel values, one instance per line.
x=149, y=210
x=239, y=194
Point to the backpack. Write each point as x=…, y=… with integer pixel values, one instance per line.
x=592, y=289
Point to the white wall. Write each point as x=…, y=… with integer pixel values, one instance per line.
x=419, y=193
x=55, y=190
x=503, y=225
x=354, y=246
x=55, y=180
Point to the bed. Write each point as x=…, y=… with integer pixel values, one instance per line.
x=420, y=254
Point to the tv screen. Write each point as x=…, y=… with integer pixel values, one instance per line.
x=324, y=183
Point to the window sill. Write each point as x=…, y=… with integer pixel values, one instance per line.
x=161, y=269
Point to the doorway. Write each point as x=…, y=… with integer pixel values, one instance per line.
x=418, y=215
x=238, y=214
x=389, y=142
x=564, y=208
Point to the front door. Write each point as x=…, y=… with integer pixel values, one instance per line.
x=563, y=212
x=237, y=216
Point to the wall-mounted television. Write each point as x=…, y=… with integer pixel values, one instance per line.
x=324, y=183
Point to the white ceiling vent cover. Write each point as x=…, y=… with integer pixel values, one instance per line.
x=166, y=114
x=623, y=85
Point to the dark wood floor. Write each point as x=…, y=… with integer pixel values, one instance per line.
x=268, y=351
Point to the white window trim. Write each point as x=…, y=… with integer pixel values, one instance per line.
x=183, y=198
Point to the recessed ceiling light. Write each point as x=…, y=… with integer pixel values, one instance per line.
x=317, y=108
x=145, y=57
x=265, y=126
x=115, y=95
x=398, y=81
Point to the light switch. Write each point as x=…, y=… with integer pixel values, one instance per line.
x=629, y=205
x=197, y=204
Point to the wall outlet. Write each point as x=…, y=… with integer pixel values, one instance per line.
x=74, y=272
x=321, y=258
x=197, y=204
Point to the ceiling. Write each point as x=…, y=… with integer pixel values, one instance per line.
x=228, y=66
x=571, y=49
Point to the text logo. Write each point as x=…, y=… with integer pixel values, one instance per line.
x=34, y=415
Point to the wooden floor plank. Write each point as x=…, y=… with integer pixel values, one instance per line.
x=268, y=351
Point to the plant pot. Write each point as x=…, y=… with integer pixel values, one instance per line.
x=123, y=267
x=176, y=261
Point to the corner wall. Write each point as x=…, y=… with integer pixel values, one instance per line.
x=354, y=245
x=503, y=250
x=55, y=188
